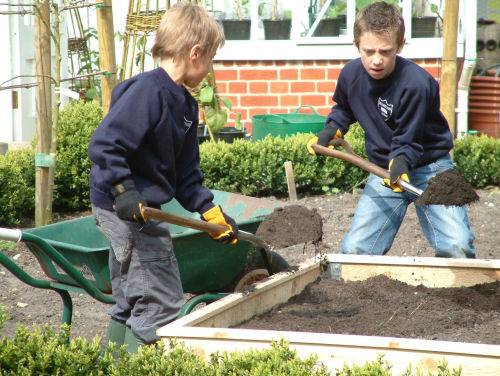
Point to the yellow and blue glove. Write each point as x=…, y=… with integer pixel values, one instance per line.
x=217, y=216
x=329, y=132
x=398, y=169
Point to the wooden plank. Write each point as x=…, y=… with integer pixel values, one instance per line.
x=334, y=350
x=206, y=330
x=427, y=271
x=238, y=307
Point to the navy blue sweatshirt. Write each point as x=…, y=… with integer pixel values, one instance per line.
x=400, y=113
x=149, y=136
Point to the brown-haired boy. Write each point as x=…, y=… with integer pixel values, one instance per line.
x=397, y=104
x=145, y=151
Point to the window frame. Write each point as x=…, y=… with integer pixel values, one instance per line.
x=315, y=48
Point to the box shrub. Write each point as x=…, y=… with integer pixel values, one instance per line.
x=17, y=179
x=256, y=168
x=478, y=160
x=42, y=351
x=78, y=120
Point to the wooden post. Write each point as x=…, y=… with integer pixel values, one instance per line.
x=107, y=60
x=43, y=99
x=449, y=63
x=290, y=181
x=57, y=98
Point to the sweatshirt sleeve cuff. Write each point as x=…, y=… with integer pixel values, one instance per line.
x=209, y=205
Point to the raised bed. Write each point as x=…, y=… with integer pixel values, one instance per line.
x=206, y=330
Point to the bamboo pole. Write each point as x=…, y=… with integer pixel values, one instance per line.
x=43, y=206
x=57, y=100
x=107, y=60
x=449, y=63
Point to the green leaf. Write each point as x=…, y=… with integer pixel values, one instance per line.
x=206, y=94
x=227, y=103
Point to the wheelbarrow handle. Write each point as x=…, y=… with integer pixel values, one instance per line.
x=351, y=157
x=13, y=235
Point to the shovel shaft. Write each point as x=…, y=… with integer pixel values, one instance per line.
x=363, y=164
x=197, y=224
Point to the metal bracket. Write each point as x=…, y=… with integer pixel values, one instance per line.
x=334, y=270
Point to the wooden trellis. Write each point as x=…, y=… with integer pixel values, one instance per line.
x=143, y=19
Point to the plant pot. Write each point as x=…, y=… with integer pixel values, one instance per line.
x=229, y=134
x=202, y=135
x=277, y=29
x=328, y=27
x=236, y=29
x=423, y=27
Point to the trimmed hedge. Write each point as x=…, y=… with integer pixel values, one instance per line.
x=42, y=351
x=256, y=168
x=478, y=160
x=17, y=182
x=77, y=122
x=250, y=168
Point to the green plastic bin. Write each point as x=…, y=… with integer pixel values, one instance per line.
x=281, y=125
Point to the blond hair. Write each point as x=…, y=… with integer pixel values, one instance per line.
x=380, y=18
x=183, y=26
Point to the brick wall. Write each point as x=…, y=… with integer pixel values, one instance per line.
x=267, y=87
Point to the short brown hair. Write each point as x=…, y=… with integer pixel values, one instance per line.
x=380, y=18
x=183, y=26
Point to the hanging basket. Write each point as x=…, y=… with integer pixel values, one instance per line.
x=144, y=22
x=76, y=45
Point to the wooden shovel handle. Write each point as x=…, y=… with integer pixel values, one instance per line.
x=197, y=224
x=350, y=157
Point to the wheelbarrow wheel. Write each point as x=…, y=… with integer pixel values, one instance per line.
x=255, y=269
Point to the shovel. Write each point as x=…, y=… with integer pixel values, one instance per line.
x=351, y=157
x=197, y=224
x=446, y=188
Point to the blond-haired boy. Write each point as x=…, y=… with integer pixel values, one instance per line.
x=145, y=151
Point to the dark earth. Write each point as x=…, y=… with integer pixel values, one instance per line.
x=293, y=224
x=28, y=305
x=381, y=306
x=448, y=188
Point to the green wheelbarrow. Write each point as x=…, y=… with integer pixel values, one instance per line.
x=74, y=255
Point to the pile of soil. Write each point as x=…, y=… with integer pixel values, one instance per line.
x=448, y=188
x=380, y=306
x=293, y=224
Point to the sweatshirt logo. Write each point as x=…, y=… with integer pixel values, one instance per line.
x=385, y=108
x=187, y=124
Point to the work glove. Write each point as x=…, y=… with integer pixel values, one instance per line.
x=127, y=201
x=217, y=216
x=398, y=169
x=329, y=132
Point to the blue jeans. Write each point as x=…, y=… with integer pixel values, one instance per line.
x=380, y=211
x=144, y=273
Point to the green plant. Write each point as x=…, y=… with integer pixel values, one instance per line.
x=286, y=14
x=214, y=108
x=475, y=157
x=360, y=4
x=17, y=179
x=6, y=245
x=241, y=8
x=78, y=120
x=4, y=316
x=336, y=9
